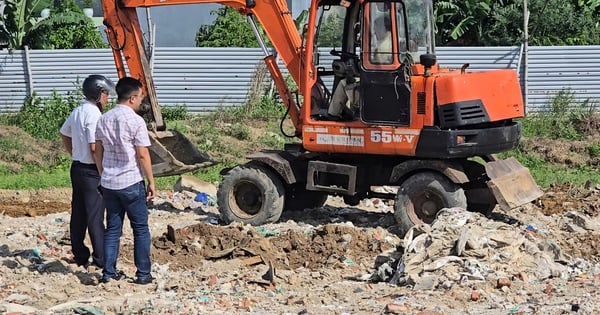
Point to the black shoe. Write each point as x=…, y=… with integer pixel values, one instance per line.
x=120, y=276
x=80, y=263
x=145, y=280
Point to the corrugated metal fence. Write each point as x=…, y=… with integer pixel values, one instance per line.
x=204, y=79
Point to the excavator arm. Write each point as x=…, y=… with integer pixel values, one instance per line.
x=126, y=40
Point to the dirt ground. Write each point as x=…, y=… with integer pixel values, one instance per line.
x=318, y=261
x=331, y=260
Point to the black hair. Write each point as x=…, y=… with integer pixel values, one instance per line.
x=127, y=87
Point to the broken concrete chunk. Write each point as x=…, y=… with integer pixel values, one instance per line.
x=426, y=282
x=191, y=183
x=583, y=221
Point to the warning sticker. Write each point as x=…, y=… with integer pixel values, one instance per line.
x=353, y=141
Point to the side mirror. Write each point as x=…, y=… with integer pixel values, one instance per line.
x=427, y=60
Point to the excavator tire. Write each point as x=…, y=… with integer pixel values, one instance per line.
x=422, y=195
x=298, y=199
x=250, y=194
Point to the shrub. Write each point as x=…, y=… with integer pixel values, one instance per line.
x=177, y=112
x=563, y=118
x=43, y=117
x=238, y=131
x=594, y=150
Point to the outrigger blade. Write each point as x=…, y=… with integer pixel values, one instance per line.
x=173, y=154
x=511, y=183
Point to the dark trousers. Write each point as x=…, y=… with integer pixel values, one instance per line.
x=87, y=214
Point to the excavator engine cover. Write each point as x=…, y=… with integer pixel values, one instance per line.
x=511, y=183
x=173, y=154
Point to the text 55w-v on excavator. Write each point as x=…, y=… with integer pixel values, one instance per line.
x=381, y=113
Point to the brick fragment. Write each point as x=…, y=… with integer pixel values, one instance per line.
x=503, y=282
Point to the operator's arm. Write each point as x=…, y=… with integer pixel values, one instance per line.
x=143, y=156
x=67, y=143
x=98, y=152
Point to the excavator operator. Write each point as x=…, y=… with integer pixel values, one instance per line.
x=345, y=100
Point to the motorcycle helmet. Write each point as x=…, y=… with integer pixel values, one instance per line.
x=95, y=84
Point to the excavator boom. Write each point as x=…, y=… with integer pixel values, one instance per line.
x=127, y=42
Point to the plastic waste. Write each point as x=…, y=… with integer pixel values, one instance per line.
x=265, y=232
x=202, y=198
x=531, y=228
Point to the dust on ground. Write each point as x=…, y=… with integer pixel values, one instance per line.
x=564, y=197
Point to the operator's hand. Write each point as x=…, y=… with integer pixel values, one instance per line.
x=150, y=192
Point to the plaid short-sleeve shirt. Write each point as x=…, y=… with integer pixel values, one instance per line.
x=121, y=130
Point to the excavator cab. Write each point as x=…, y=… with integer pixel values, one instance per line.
x=376, y=45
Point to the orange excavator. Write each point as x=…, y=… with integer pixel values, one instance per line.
x=381, y=119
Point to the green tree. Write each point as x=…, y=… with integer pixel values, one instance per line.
x=230, y=29
x=331, y=28
x=18, y=18
x=461, y=21
x=557, y=22
x=500, y=22
x=66, y=28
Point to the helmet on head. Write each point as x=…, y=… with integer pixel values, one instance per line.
x=95, y=84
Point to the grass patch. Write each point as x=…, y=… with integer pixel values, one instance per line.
x=554, y=174
x=546, y=174
x=546, y=171
x=563, y=118
x=35, y=179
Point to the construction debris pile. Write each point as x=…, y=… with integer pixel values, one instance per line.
x=463, y=248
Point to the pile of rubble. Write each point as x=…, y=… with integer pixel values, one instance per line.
x=466, y=248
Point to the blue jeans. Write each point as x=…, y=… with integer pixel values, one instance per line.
x=130, y=200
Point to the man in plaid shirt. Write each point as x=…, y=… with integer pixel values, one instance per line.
x=122, y=147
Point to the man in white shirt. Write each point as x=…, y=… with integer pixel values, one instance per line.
x=78, y=134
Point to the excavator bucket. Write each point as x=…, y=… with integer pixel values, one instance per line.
x=173, y=154
x=511, y=183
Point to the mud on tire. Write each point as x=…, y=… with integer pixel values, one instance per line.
x=250, y=194
x=421, y=196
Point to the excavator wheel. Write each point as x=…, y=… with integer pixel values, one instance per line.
x=298, y=199
x=422, y=195
x=250, y=194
